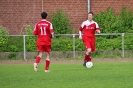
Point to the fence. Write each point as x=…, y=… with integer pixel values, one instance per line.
x=73, y=36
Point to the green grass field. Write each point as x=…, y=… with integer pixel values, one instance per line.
x=102, y=75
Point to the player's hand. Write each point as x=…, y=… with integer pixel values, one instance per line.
x=52, y=35
x=98, y=31
x=80, y=37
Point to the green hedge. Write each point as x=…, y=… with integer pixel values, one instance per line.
x=3, y=39
x=15, y=44
x=30, y=40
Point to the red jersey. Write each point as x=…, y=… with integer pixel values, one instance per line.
x=44, y=30
x=89, y=29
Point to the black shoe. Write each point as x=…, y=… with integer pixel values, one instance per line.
x=84, y=64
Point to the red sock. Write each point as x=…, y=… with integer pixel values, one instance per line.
x=86, y=57
x=89, y=58
x=38, y=59
x=47, y=64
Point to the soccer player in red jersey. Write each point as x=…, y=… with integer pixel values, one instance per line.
x=88, y=28
x=44, y=31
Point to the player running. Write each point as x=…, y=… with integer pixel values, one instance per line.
x=88, y=28
x=45, y=32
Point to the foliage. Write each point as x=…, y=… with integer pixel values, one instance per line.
x=61, y=22
x=79, y=46
x=12, y=55
x=31, y=43
x=30, y=40
x=62, y=44
x=3, y=38
x=111, y=23
x=28, y=29
x=128, y=42
x=3, y=31
x=15, y=44
x=125, y=19
x=106, y=21
x=108, y=44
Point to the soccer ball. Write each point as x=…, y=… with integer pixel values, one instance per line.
x=89, y=64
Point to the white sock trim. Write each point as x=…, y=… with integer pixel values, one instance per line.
x=48, y=59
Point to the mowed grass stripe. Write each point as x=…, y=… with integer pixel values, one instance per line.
x=102, y=75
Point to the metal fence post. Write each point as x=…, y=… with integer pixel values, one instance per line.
x=123, y=45
x=73, y=45
x=24, y=40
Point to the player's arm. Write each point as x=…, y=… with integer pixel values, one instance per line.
x=35, y=30
x=52, y=34
x=80, y=34
x=97, y=29
x=80, y=31
x=51, y=31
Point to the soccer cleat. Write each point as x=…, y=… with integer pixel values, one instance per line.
x=47, y=70
x=35, y=67
x=84, y=64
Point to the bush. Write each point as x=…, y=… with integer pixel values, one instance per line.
x=3, y=38
x=106, y=21
x=62, y=44
x=128, y=42
x=3, y=31
x=61, y=22
x=30, y=40
x=31, y=43
x=28, y=29
x=108, y=44
x=79, y=45
x=12, y=55
x=111, y=23
x=15, y=44
x=9, y=44
x=125, y=18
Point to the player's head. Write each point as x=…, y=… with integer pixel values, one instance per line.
x=44, y=15
x=90, y=16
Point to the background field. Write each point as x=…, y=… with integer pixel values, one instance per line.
x=68, y=75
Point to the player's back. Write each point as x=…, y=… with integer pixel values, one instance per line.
x=43, y=30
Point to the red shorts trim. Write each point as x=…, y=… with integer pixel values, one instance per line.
x=44, y=48
x=89, y=43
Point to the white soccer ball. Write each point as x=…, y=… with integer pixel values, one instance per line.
x=89, y=64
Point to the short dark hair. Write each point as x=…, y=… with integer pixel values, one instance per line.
x=91, y=13
x=44, y=15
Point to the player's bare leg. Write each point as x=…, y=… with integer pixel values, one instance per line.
x=38, y=58
x=47, y=61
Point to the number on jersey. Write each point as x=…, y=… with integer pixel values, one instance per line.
x=43, y=31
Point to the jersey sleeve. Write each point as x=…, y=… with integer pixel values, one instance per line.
x=51, y=28
x=35, y=30
x=97, y=27
x=81, y=27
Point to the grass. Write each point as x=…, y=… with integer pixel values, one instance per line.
x=102, y=75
